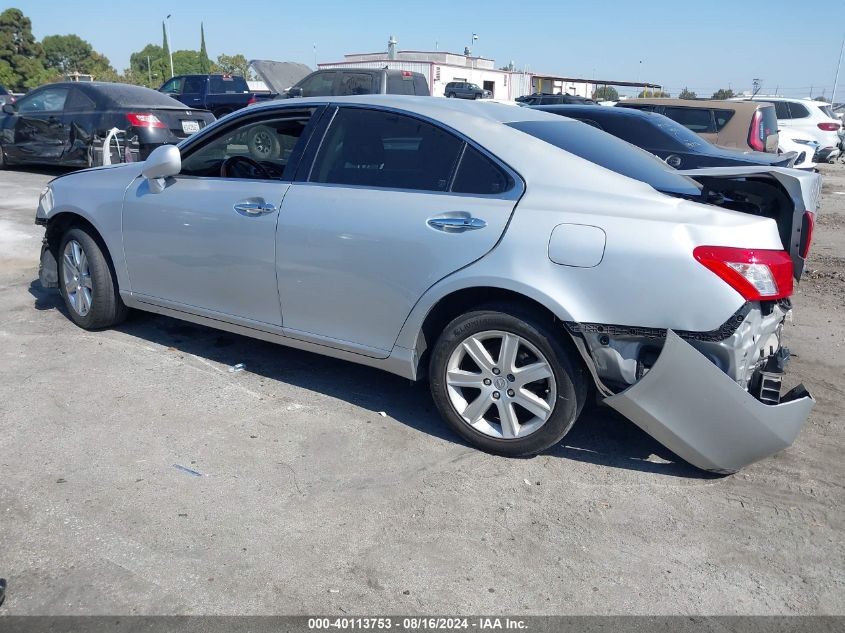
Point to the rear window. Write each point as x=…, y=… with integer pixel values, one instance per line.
x=699, y=120
x=354, y=84
x=399, y=84
x=770, y=122
x=228, y=84
x=611, y=153
x=827, y=111
x=124, y=95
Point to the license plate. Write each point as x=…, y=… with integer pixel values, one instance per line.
x=189, y=127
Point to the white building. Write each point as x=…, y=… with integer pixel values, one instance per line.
x=440, y=67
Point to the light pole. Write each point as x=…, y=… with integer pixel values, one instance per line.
x=169, y=44
x=836, y=78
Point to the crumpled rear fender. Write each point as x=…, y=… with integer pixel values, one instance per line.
x=690, y=406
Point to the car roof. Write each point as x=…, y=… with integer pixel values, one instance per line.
x=697, y=103
x=563, y=108
x=804, y=100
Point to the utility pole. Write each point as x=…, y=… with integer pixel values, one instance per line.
x=169, y=44
x=836, y=78
x=149, y=70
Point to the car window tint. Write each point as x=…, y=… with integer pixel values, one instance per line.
x=78, y=101
x=611, y=153
x=270, y=142
x=355, y=84
x=318, y=85
x=798, y=111
x=722, y=118
x=782, y=110
x=47, y=100
x=174, y=86
x=698, y=120
x=383, y=149
x=225, y=84
x=478, y=174
x=193, y=85
x=400, y=84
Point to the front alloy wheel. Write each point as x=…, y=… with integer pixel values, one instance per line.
x=505, y=379
x=76, y=276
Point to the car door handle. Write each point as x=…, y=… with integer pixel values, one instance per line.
x=456, y=224
x=254, y=207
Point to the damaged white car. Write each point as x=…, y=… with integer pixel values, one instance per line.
x=519, y=261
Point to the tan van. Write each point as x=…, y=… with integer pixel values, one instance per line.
x=745, y=125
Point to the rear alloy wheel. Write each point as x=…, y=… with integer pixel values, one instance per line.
x=505, y=383
x=87, y=283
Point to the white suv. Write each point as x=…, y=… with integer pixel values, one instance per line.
x=815, y=118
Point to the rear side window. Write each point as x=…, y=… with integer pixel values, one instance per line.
x=226, y=84
x=479, y=174
x=193, y=85
x=78, y=101
x=827, y=111
x=381, y=149
x=699, y=120
x=355, y=84
x=722, y=117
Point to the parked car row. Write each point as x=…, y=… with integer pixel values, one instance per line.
x=519, y=261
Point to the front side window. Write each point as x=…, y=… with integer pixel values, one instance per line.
x=173, y=87
x=319, y=85
x=255, y=150
x=47, y=100
x=381, y=149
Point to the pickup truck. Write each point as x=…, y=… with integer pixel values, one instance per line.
x=220, y=94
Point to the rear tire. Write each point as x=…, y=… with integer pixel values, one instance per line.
x=87, y=282
x=505, y=426
x=3, y=163
x=449, y=95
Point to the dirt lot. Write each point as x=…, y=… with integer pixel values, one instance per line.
x=310, y=501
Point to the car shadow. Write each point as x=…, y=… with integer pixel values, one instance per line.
x=601, y=436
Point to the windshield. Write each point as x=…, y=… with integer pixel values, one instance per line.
x=611, y=153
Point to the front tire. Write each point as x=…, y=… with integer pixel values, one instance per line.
x=87, y=282
x=505, y=382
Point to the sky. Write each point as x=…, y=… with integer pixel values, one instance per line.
x=792, y=47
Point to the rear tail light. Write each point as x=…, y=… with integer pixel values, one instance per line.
x=807, y=225
x=829, y=127
x=757, y=275
x=140, y=119
x=756, y=138
x=252, y=100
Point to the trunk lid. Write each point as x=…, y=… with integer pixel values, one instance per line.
x=182, y=122
x=784, y=195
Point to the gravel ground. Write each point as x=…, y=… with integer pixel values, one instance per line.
x=308, y=500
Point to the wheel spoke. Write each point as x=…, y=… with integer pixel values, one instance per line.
x=83, y=262
x=477, y=408
x=85, y=280
x=69, y=265
x=77, y=253
x=531, y=373
x=507, y=416
x=533, y=404
x=508, y=351
x=478, y=353
x=461, y=378
x=84, y=300
x=70, y=286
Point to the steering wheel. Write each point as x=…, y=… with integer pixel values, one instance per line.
x=258, y=170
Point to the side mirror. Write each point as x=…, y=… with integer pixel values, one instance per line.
x=10, y=108
x=163, y=161
x=295, y=91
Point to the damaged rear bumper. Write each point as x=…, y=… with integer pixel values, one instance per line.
x=693, y=408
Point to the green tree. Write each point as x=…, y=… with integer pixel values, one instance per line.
x=66, y=53
x=23, y=56
x=648, y=93
x=148, y=67
x=234, y=65
x=165, y=47
x=606, y=93
x=723, y=93
x=187, y=63
x=204, y=60
x=686, y=94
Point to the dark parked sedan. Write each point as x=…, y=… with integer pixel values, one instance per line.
x=69, y=123
x=666, y=139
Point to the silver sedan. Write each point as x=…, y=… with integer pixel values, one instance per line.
x=519, y=261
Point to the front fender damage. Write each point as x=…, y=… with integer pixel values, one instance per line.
x=693, y=408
